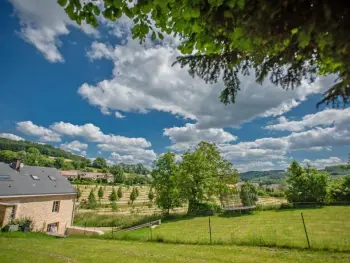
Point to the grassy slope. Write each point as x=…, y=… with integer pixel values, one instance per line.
x=328, y=228
x=36, y=248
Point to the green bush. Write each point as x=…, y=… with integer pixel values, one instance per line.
x=248, y=194
x=205, y=209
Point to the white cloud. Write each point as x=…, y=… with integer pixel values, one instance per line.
x=143, y=79
x=129, y=154
x=189, y=135
x=136, y=156
x=258, y=165
x=93, y=133
x=131, y=150
x=322, y=163
x=42, y=23
x=11, y=136
x=44, y=134
x=75, y=147
x=119, y=115
x=322, y=118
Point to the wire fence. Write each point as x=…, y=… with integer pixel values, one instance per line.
x=315, y=228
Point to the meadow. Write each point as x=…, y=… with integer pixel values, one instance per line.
x=31, y=247
x=327, y=227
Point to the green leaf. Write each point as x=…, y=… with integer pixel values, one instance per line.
x=196, y=12
x=294, y=31
x=228, y=14
x=153, y=36
x=160, y=35
x=96, y=10
x=241, y=3
x=231, y=4
x=118, y=13
x=117, y=3
x=62, y=2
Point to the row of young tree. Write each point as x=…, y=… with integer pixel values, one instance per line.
x=114, y=196
x=202, y=175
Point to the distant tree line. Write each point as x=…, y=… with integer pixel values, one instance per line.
x=44, y=149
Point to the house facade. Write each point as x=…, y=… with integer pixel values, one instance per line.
x=39, y=194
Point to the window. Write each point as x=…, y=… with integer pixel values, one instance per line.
x=5, y=177
x=52, y=228
x=35, y=177
x=56, y=206
x=52, y=178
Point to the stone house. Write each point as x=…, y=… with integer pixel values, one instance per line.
x=39, y=193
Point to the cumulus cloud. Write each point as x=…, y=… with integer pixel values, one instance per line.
x=189, y=135
x=44, y=134
x=323, y=118
x=125, y=149
x=42, y=23
x=93, y=133
x=75, y=147
x=119, y=115
x=11, y=136
x=143, y=79
x=322, y=163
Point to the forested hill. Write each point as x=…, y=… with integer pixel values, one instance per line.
x=277, y=176
x=272, y=176
x=336, y=170
x=45, y=149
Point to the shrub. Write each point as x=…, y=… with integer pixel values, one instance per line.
x=120, y=192
x=91, y=204
x=248, y=194
x=205, y=209
x=113, y=196
x=339, y=190
x=306, y=185
x=114, y=206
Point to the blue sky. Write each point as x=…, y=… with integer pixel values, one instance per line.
x=97, y=92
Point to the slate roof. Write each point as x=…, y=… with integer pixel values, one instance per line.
x=14, y=183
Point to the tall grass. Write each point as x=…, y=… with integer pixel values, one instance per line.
x=94, y=219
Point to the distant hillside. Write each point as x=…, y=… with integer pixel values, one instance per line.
x=46, y=149
x=272, y=176
x=277, y=176
x=336, y=170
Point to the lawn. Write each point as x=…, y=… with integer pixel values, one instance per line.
x=37, y=248
x=328, y=228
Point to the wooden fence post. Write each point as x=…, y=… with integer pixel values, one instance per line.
x=210, y=231
x=306, y=234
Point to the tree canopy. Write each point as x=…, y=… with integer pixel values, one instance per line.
x=283, y=40
x=203, y=174
x=306, y=184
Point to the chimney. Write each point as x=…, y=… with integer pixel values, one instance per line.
x=16, y=164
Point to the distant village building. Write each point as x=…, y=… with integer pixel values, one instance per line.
x=74, y=174
x=39, y=193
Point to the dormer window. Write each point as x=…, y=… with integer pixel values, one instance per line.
x=52, y=178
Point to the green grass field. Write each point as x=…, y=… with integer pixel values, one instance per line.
x=328, y=228
x=37, y=248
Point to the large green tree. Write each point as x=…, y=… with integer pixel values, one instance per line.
x=204, y=174
x=284, y=40
x=164, y=182
x=118, y=174
x=306, y=185
x=99, y=162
